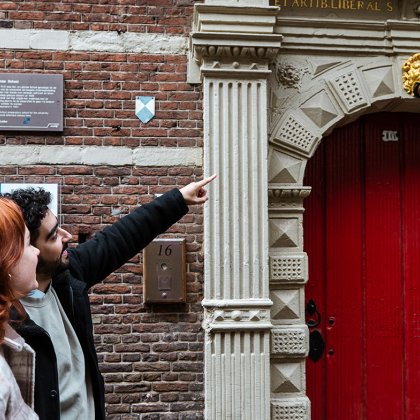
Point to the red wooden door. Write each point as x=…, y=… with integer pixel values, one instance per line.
x=362, y=236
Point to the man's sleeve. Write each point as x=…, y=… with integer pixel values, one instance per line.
x=95, y=259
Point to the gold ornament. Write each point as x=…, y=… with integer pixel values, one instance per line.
x=411, y=75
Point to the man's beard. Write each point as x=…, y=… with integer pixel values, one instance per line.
x=51, y=268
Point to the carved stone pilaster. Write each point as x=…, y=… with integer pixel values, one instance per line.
x=231, y=49
x=288, y=274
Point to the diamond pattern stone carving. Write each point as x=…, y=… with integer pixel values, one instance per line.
x=321, y=65
x=380, y=81
x=284, y=168
x=286, y=304
x=296, y=134
x=288, y=342
x=320, y=109
x=240, y=315
x=286, y=377
x=288, y=269
x=290, y=409
x=350, y=91
x=283, y=232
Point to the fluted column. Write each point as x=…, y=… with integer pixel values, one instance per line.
x=233, y=65
x=236, y=261
x=236, y=148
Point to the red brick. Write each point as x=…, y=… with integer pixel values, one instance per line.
x=100, y=89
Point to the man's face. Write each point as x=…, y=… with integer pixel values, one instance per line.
x=52, y=243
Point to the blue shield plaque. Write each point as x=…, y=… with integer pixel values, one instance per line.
x=145, y=108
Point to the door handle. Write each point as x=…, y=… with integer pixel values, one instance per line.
x=312, y=311
x=316, y=340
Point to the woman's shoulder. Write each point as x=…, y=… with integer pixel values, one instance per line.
x=12, y=405
x=4, y=365
x=12, y=339
x=6, y=375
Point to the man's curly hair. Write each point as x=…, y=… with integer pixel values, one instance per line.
x=34, y=205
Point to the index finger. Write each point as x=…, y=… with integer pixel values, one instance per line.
x=206, y=181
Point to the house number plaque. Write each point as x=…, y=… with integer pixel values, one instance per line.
x=164, y=271
x=389, y=135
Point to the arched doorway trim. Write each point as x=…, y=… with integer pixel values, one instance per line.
x=337, y=91
x=335, y=97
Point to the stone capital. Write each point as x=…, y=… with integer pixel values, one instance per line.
x=224, y=42
x=287, y=197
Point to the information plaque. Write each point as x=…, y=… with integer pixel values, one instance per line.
x=31, y=102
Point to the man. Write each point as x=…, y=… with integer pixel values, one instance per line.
x=68, y=383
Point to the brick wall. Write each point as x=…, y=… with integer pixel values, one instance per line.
x=151, y=355
x=157, y=16
x=100, y=91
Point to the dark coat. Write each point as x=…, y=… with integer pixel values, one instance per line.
x=90, y=263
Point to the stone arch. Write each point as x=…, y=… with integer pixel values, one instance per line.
x=337, y=93
x=308, y=100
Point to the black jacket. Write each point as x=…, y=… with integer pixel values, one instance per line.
x=90, y=263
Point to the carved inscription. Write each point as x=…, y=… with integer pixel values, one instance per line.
x=374, y=6
x=358, y=9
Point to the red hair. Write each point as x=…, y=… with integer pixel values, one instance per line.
x=12, y=240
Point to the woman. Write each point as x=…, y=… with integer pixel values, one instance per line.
x=18, y=260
